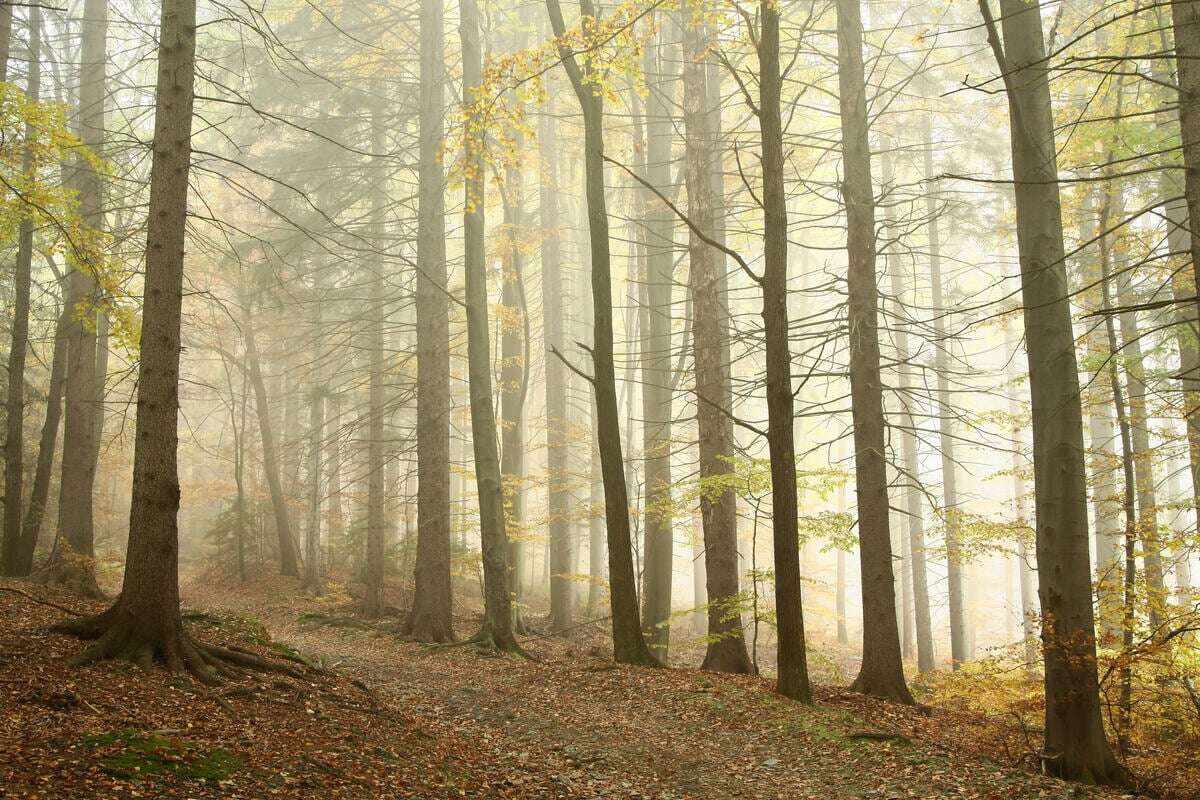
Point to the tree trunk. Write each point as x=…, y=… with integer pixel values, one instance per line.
x=74, y=556
x=562, y=589
x=792, y=652
x=725, y=649
x=145, y=624
x=882, y=672
x=430, y=620
x=1185, y=18
x=6, y=19
x=913, y=502
x=497, y=622
x=629, y=646
x=373, y=601
x=32, y=524
x=514, y=382
x=312, y=533
x=288, y=561
x=1075, y=743
x=14, y=442
x=656, y=349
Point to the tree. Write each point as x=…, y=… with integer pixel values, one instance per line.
x=497, y=630
x=144, y=625
x=373, y=602
x=73, y=557
x=882, y=672
x=430, y=620
x=725, y=650
x=1075, y=744
x=629, y=645
x=14, y=442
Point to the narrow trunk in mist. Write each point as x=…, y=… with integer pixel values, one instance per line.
x=656, y=348
x=312, y=533
x=1026, y=572
x=792, y=656
x=629, y=646
x=14, y=442
x=430, y=619
x=1075, y=743
x=74, y=554
x=514, y=382
x=725, y=649
x=913, y=497
x=31, y=526
x=562, y=557
x=959, y=647
x=373, y=601
x=882, y=672
x=288, y=560
x=497, y=628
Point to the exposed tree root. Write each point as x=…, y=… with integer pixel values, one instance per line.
x=39, y=600
x=485, y=642
x=120, y=637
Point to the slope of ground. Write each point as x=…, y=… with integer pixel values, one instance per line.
x=442, y=723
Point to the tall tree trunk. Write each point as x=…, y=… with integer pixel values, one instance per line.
x=373, y=601
x=14, y=442
x=514, y=381
x=656, y=350
x=725, y=649
x=1185, y=18
x=430, y=620
x=288, y=561
x=32, y=524
x=1075, y=743
x=145, y=624
x=882, y=672
x=562, y=559
x=312, y=533
x=629, y=646
x=913, y=502
x=497, y=622
x=792, y=652
x=75, y=552
x=1025, y=568
x=959, y=648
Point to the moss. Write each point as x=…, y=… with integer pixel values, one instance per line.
x=135, y=754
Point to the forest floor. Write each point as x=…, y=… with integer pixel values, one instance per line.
x=384, y=718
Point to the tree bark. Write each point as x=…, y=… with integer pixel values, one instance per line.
x=14, y=442
x=73, y=564
x=629, y=645
x=288, y=561
x=430, y=620
x=562, y=559
x=1075, y=743
x=725, y=649
x=497, y=628
x=373, y=601
x=882, y=672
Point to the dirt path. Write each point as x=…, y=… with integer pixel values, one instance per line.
x=575, y=725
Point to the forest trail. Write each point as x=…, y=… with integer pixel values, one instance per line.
x=574, y=724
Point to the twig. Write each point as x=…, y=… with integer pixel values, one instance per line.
x=39, y=600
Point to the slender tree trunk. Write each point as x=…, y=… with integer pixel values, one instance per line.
x=726, y=645
x=312, y=534
x=882, y=672
x=373, y=602
x=1075, y=743
x=913, y=502
x=497, y=623
x=562, y=558
x=75, y=552
x=629, y=646
x=1185, y=18
x=514, y=382
x=656, y=350
x=792, y=652
x=14, y=443
x=430, y=620
x=32, y=524
x=959, y=646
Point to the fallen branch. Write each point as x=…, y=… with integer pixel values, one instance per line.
x=40, y=601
